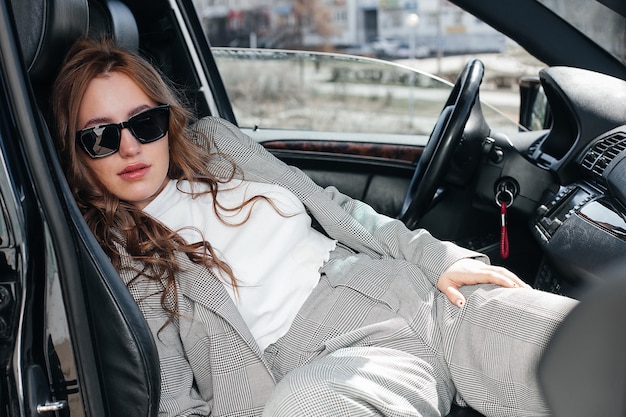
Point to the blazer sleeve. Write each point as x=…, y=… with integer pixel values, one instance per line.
x=350, y=221
x=419, y=247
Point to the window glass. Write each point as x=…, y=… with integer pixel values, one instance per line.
x=336, y=93
x=326, y=92
x=411, y=52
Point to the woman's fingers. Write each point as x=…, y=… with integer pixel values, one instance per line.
x=455, y=296
x=495, y=275
x=470, y=272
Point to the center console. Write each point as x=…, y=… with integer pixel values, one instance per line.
x=582, y=232
x=551, y=215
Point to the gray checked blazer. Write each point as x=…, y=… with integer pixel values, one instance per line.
x=210, y=363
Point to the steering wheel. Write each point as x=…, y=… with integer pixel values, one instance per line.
x=443, y=140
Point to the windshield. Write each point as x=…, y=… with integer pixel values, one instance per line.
x=599, y=23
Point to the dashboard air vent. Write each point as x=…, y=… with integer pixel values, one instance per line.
x=602, y=153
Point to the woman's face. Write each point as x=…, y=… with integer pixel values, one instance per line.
x=137, y=172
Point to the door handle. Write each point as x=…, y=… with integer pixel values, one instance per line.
x=49, y=407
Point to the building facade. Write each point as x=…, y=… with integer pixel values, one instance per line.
x=338, y=24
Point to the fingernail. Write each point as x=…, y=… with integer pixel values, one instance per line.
x=459, y=303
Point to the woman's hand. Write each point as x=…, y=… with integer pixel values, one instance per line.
x=471, y=271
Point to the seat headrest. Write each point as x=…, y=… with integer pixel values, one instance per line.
x=46, y=29
x=113, y=19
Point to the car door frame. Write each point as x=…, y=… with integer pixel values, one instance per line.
x=43, y=205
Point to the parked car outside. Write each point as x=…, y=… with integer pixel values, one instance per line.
x=72, y=340
x=419, y=51
x=384, y=47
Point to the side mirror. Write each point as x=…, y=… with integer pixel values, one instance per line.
x=534, y=110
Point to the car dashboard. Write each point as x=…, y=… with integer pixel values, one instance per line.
x=581, y=223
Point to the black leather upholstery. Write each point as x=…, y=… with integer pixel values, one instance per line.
x=45, y=30
x=583, y=371
x=463, y=412
x=113, y=18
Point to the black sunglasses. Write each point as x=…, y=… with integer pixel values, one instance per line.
x=104, y=140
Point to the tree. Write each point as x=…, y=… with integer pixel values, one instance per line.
x=316, y=16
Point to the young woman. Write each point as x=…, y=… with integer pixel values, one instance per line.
x=254, y=311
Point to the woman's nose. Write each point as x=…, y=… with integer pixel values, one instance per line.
x=129, y=145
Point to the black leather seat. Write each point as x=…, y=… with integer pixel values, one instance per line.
x=128, y=363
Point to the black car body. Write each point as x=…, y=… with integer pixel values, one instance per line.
x=72, y=341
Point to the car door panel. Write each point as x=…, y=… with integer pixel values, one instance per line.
x=378, y=174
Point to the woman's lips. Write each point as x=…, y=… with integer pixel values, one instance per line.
x=134, y=172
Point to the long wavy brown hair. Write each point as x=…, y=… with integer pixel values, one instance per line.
x=119, y=224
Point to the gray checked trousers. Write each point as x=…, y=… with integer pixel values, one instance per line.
x=391, y=344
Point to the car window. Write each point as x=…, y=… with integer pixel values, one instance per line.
x=324, y=92
x=387, y=90
x=328, y=92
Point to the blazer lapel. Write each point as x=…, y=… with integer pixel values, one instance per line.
x=200, y=285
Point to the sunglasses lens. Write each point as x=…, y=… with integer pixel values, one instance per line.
x=150, y=125
x=101, y=141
